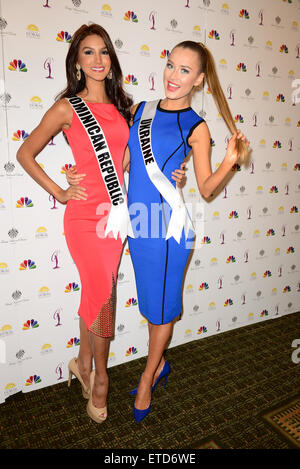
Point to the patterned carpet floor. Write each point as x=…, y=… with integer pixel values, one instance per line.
x=220, y=393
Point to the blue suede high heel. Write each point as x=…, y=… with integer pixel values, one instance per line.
x=163, y=374
x=139, y=415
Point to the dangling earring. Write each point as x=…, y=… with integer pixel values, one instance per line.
x=78, y=73
x=109, y=75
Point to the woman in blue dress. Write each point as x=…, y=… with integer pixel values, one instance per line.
x=159, y=263
x=160, y=140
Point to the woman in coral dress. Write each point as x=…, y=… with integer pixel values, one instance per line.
x=93, y=112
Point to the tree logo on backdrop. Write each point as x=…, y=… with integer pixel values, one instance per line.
x=13, y=233
x=153, y=18
x=46, y=4
x=9, y=167
x=118, y=43
x=5, y=98
x=187, y=4
x=48, y=66
x=3, y=23
x=232, y=37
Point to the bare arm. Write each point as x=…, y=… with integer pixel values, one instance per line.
x=57, y=117
x=207, y=180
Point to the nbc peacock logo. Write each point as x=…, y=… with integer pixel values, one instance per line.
x=24, y=202
x=270, y=232
x=280, y=98
x=35, y=379
x=244, y=14
x=284, y=49
x=27, y=265
x=290, y=250
x=213, y=34
x=65, y=168
x=230, y=260
x=296, y=167
x=19, y=135
x=64, y=36
x=287, y=289
x=164, y=54
x=294, y=209
x=267, y=274
x=206, y=240
x=239, y=119
x=130, y=16
x=30, y=324
x=131, y=302
x=264, y=313
x=72, y=287
x=273, y=190
x=228, y=302
x=73, y=342
x=131, y=351
x=277, y=144
x=202, y=330
x=130, y=80
x=203, y=286
x=233, y=214
x=241, y=67
x=17, y=65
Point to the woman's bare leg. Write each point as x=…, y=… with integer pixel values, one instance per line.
x=100, y=347
x=85, y=356
x=158, y=339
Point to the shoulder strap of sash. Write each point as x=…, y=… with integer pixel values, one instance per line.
x=107, y=169
x=180, y=217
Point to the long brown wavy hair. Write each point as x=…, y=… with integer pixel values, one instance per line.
x=207, y=66
x=114, y=87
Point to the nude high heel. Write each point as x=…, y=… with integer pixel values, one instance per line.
x=73, y=370
x=94, y=412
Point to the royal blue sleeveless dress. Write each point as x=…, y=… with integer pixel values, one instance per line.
x=158, y=263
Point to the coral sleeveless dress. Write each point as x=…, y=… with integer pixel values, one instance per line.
x=96, y=258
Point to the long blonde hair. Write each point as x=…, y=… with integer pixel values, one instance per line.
x=210, y=74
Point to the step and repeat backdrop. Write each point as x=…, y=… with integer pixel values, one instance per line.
x=245, y=265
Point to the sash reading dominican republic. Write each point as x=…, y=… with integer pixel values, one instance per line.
x=180, y=217
x=118, y=219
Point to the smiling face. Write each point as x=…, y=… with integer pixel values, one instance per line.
x=182, y=73
x=93, y=58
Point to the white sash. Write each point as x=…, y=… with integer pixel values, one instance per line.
x=118, y=219
x=180, y=217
